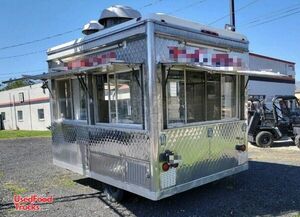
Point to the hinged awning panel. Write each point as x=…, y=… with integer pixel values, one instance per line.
x=59, y=72
x=230, y=70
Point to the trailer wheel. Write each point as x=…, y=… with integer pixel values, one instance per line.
x=264, y=139
x=297, y=141
x=113, y=194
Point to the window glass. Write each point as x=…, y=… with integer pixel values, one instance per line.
x=206, y=96
x=293, y=106
x=228, y=96
x=79, y=100
x=21, y=97
x=175, y=97
x=3, y=116
x=112, y=98
x=129, y=97
x=195, y=96
x=102, y=103
x=64, y=99
x=213, y=97
x=20, y=115
x=41, y=114
x=122, y=94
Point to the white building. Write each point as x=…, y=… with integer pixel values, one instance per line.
x=266, y=88
x=25, y=108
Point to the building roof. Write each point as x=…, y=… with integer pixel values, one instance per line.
x=271, y=58
x=297, y=90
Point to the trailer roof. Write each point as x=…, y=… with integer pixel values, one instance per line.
x=157, y=17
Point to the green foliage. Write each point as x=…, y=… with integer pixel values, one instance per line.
x=14, y=188
x=12, y=134
x=15, y=84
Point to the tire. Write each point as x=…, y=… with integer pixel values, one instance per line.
x=297, y=141
x=264, y=139
x=113, y=194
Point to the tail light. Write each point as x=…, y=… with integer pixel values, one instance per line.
x=169, y=160
x=165, y=167
x=242, y=147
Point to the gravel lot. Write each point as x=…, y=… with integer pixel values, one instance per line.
x=271, y=187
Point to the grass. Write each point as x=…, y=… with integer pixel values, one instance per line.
x=14, y=188
x=1, y=174
x=66, y=182
x=63, y=181
x=13, y=134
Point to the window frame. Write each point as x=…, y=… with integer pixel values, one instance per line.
x=69, y=80
x=21, y=97
x=237, y=96
x=122, y=125
x=73, y=101
x=41, y=119
x=3, y=119
x=165, y=99
x=20, y=120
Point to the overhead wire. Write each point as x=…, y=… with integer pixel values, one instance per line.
x=22, y=55
x=273, y=13
x=227, y=15
x=273, y=16
x=272, y=20
x=44, y=50
x=48, y=38
x=62, y=33
x=186, y=7
x=266, y=18
x=38, y=40
x=150, y=4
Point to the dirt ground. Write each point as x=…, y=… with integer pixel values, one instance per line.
x=271, y=187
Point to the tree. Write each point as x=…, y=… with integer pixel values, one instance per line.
x=16, y=84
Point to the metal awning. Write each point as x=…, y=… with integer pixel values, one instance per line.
x=212, y=69
x=56, y=73
x=265, y=74
x=194, y=66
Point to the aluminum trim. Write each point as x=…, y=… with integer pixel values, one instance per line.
x=155, y=196
x=71, y=167
x=153, y=105
x=144, y=192
x=166, y=31
x=202, y=181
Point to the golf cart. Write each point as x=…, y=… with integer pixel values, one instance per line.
x=267, y=126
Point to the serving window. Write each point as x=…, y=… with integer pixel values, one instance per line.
x=79, y=100
x=119, y=98
x=196, y=96
x=72, y=99
x=64, y=99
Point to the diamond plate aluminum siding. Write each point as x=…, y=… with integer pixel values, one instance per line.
x=121, y=154
x=202, y=155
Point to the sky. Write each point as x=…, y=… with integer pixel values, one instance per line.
x=23, y=21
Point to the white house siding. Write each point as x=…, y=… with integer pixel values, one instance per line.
x=34, y=99
x=265, y=88
x=268, y=90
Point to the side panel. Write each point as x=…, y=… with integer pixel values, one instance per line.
x=69, y=146
x=120, y=154
x=206, y=150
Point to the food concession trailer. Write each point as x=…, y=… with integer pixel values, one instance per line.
x=153, y=105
